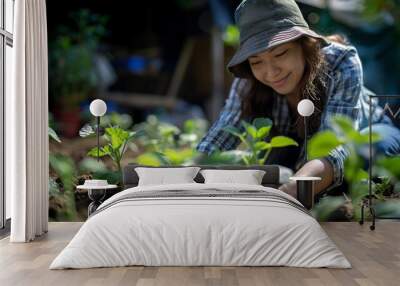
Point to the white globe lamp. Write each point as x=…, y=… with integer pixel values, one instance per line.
x=98, y=107
x=305, y=107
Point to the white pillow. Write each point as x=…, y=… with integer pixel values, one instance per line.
x=163, y=176
x=249, y=177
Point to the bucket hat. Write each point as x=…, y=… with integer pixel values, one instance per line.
x=264, y=24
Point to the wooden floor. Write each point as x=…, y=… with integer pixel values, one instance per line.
x=375, y=257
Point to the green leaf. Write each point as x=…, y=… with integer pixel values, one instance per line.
x=124, y=121
x=54, y=135
x=346, y=127
x=102, y=152
x=151, y=159
x=352, y=135
x=189, y=126
x=327, y=205
x=262, y=145
x=117, y=136
x=261, y=122
x=92, y=165
x=247, y=159
x=112, y=177
x=391, y=164
x=322, y=143
x=353, y=168
x=196, y=126
x=131, y=134
x=224, y=158
x=282, y=141
x=263, y=132
x=64, y=166
x=361, y=175
x=390, y=208
x=107, y=149
x=233, y=130
x=168, y=130
x=344, y=123
x=231, y=35
x=360, y=139
x=178, y=157
x=364, y=138
x=250, y=129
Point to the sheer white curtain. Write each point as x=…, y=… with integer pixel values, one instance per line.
x=27, y=124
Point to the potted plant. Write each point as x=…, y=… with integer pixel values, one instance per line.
x=71, y=67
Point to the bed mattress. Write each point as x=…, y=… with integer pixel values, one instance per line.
x=201, y=225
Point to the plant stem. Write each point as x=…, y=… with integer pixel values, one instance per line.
x=266, y=155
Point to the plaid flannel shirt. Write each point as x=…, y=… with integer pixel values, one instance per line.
x=346, y=95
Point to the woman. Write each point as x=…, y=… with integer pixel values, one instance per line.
x=280, y=61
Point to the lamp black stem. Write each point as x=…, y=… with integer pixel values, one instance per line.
x=305, y=140
x=98, y=137
x=367, y=201
x=370, y=157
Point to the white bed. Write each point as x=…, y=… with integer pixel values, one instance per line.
x=224, y=225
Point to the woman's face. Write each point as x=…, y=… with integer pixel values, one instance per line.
x=280, y=67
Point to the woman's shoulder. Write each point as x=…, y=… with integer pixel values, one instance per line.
x=345, y=73
x=338, y=55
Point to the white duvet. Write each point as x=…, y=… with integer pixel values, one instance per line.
x=185, y=231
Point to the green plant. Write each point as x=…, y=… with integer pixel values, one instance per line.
x=383, y=188
x=71, y=58
x=61, y=185
x=389, y=166
x=53, y=135
x=355, y=174
x=387, y=171
x=124, y=121
x=381, y=10
x=156, y=136
x=327, y=206
x=61, y=190
x=231, y=157
x=192, y=131
x=117, y=141
x=253, y=138
x=231, y=35
x=166, y=144
x=91, y=168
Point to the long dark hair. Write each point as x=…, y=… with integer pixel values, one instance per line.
x=258, y=102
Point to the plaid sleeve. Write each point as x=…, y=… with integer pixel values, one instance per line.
x=216, y=137
x=344, y=95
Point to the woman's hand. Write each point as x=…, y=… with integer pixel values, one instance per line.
x=290, y=189
x=314, y=168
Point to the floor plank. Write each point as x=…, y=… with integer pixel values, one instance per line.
x=374, y=255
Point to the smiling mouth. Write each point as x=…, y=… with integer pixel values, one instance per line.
x=281, y=80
